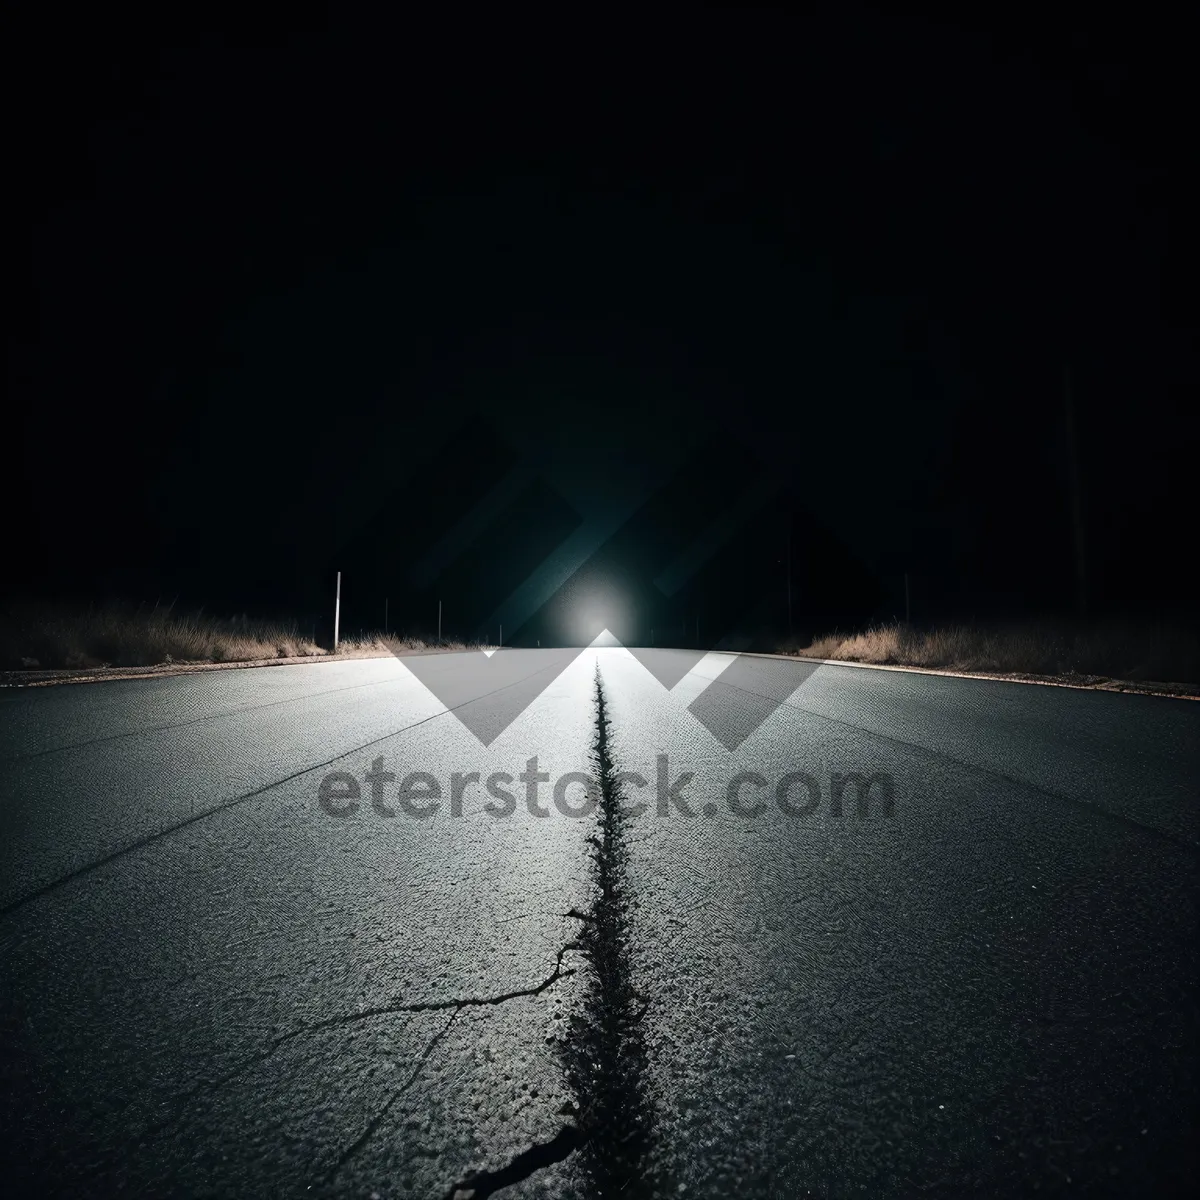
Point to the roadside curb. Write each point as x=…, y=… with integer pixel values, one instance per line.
x=35, y=678
x=1088, y=683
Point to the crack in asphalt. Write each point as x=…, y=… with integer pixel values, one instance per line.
x=160, y=834
x=524, y=1164
x=386, y=1107
x=438, y=1005
x=180, y=1101
x=539, y=1156
x=604, y=1056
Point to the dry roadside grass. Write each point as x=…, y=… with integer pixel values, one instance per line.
x=115, y=636
x=374, y=644
x=1108, y=650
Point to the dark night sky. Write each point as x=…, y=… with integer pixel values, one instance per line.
x=260, y=279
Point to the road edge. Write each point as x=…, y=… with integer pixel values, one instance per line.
x=12, y=679
x=1085, y=684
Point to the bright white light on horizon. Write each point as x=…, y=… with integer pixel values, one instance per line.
x=602, y=612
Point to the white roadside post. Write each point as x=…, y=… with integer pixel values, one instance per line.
x=337, y=611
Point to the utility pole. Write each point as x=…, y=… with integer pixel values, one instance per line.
x=907, y=608
x=385, y=615
x=501, y=641
x=1081, y=596
x=439, y=620
x=337, y=611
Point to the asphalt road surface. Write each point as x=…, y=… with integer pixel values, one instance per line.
x=229, y=968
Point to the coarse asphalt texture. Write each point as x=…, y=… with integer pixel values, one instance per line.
x=306, y=931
